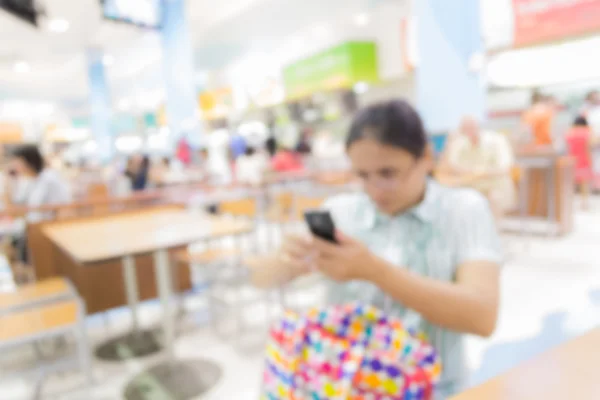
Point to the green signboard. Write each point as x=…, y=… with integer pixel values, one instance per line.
x=339, y=67
x=80, y=122
x=124, y=123
x=150, y=120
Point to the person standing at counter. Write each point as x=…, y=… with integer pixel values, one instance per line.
x=426, y=253
x=485, y=159
x=539, y=118
x=579, y=144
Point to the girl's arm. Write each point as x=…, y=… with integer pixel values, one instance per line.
x=468, y=305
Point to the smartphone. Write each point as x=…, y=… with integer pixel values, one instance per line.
x=321, y=225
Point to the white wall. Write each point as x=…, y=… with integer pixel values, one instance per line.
x=399, y=88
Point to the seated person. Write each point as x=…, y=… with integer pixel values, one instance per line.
x=483, y=160
x=251, y=167
x=40, y=186
x=44, y=186
x=420, y=251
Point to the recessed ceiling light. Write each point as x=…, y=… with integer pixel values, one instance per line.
x=108, y=60
x=361, y=19
x=321, y=30
x=21, y=67
x=361, y=87
x=124, y=104
x=58, y=25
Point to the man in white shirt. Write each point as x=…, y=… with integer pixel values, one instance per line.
x=485, y=160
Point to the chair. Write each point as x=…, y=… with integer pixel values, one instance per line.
x=36, y=294
x=48, y=309
x=220, y=259
x=289, y=210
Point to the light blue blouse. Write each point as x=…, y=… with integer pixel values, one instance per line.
x=448, y=228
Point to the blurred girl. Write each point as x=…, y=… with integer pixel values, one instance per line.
x=579, y=145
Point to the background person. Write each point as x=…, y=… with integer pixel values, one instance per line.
x=484, y=160
x=250, y=168
x=579, y=145
x=286, y=160
x=539, y=118
x=426, y=253
x=41, y=186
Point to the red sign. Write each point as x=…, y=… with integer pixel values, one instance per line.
x=539, y=21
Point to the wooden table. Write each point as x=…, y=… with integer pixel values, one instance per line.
x=124, y=236
x=546, y=187
x=569, y=371
x=156, y=232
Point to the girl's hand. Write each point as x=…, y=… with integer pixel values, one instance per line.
x=298, y=254
x=346, y=260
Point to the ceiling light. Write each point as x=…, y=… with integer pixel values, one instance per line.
x=361, y=87
x=108, y=60
x=361, y=19
x=124, y=105
x=320, y=31
x=58, y=25
x=21, y=67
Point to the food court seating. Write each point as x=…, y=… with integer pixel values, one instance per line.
x=102, y=287
x=34, y=294
x=220, y=260
x=47, y=309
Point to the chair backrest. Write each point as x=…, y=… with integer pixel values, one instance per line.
x=284, y=201
x=97, y=191
x=246, y=207
x=516, y=173
x=29, y=324
x=304, y=203
x=29, y=295
x=334, y=178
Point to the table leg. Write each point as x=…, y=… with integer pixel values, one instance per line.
x=138, y=342
x=524, y=200
x=131, y=289
x=173, y=379
x=551, y=203
x=165, y=292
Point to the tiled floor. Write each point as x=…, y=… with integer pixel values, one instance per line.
x=550, y=292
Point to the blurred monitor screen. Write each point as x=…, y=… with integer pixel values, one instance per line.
x=142, y=13
x=24, y=9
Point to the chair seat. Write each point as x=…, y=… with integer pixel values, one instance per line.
x=31, y=294
x=280, y=216
x=208, y=256
x=33, y=323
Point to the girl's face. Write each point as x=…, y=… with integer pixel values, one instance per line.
x=19, y=167
x=392, y=177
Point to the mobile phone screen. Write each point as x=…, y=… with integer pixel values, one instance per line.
x=321, y=224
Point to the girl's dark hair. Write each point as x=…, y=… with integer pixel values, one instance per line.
x=580, y=121
x=249, y=151
x=393, y=123
x=32, y=157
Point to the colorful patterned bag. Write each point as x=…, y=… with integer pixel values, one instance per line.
x=347, y=352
